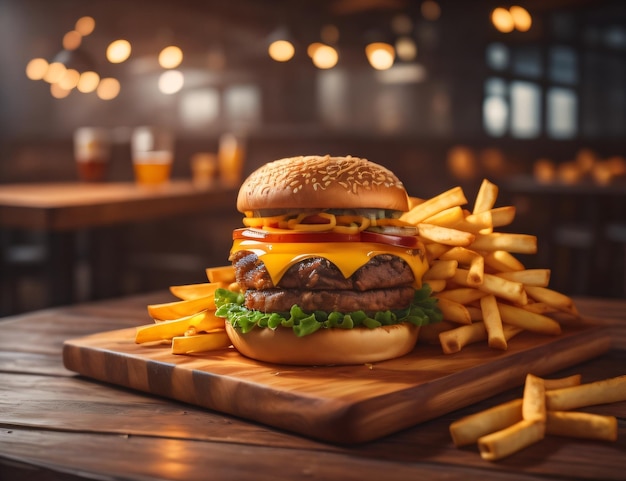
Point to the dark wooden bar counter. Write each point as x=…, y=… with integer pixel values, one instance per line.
x=57, y=425
x=63, y=210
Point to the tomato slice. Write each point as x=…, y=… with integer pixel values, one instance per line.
x=290, y=236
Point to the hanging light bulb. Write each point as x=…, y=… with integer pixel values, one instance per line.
x=281, y=50
x=502, y=20
x=380, y=55
x=325, y=57
x=280, y=45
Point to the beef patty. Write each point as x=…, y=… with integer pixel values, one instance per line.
x=385, y=282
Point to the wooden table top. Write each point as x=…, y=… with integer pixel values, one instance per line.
x=57, y=425
x=76, y=205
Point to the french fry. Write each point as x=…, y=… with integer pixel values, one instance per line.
x=444, y=235
x=221, y=274
x=462, y=295
x=510, y=440
x=527, y=320
x=194, y=291
x=534, y=399
x=501, y=216
x=434, y=250
x=539, y=308
x=582, y=425
x=475, y=223
x=469, y=429
x=486, y=197
x=550, y=297
x=599, y=392
x=551, y=384
x=207, y=341
x=453, y=311
x=440, y=270
x=456, y=339
x=502, y=261
x=505, y=289
x=445, y=200
x=510, y=331
x=528, y=277
x=175, y=310
x=202, y=321
x=472, y=259
x=493, y=322
x=512, y=243
x=446, y=218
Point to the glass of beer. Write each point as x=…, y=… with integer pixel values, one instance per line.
x=231, y=157
x=92, y=151
x=153, y=154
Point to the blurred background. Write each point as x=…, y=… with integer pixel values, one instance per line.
x=529, y=94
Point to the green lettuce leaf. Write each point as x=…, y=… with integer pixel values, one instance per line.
x=423, y=310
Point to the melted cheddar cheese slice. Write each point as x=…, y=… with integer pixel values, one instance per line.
x=347, y=256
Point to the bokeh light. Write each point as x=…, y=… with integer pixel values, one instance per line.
x=171, y=82
x=281, y=50
x=88, y=82
x=325, y=57
x=380, y=55
x=502, y=20
x=118, y=51
x=72, y=40
x=108, y=88
x=170, y=57
x=36, y=68
x=85, y=25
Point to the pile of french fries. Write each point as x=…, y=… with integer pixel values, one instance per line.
x=189, y=325
x=546, y=408
x=484, y=291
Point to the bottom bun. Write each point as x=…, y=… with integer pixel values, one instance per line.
x=325, y=346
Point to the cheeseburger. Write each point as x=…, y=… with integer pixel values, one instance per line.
x=327, y=272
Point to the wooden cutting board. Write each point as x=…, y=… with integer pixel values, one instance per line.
x=341, y=404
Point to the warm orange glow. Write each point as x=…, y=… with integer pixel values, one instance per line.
x=88, y=82
x=430, y=10
x=461, y=163
x=170, y=57
x=312, y=48
x=72, y=40
x=325, y=57
x=502, y=20
x=281, y=50
x=108, y=88
x=380, y=55
x=521, y=18
x=69, y=80
x=54, y=73
x=58, y=92
x=85, y=25
x=544, y=171
x=118, y=51
x=36, y=68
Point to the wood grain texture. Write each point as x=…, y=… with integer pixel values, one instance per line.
x=342, y=404
x=74, y=205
